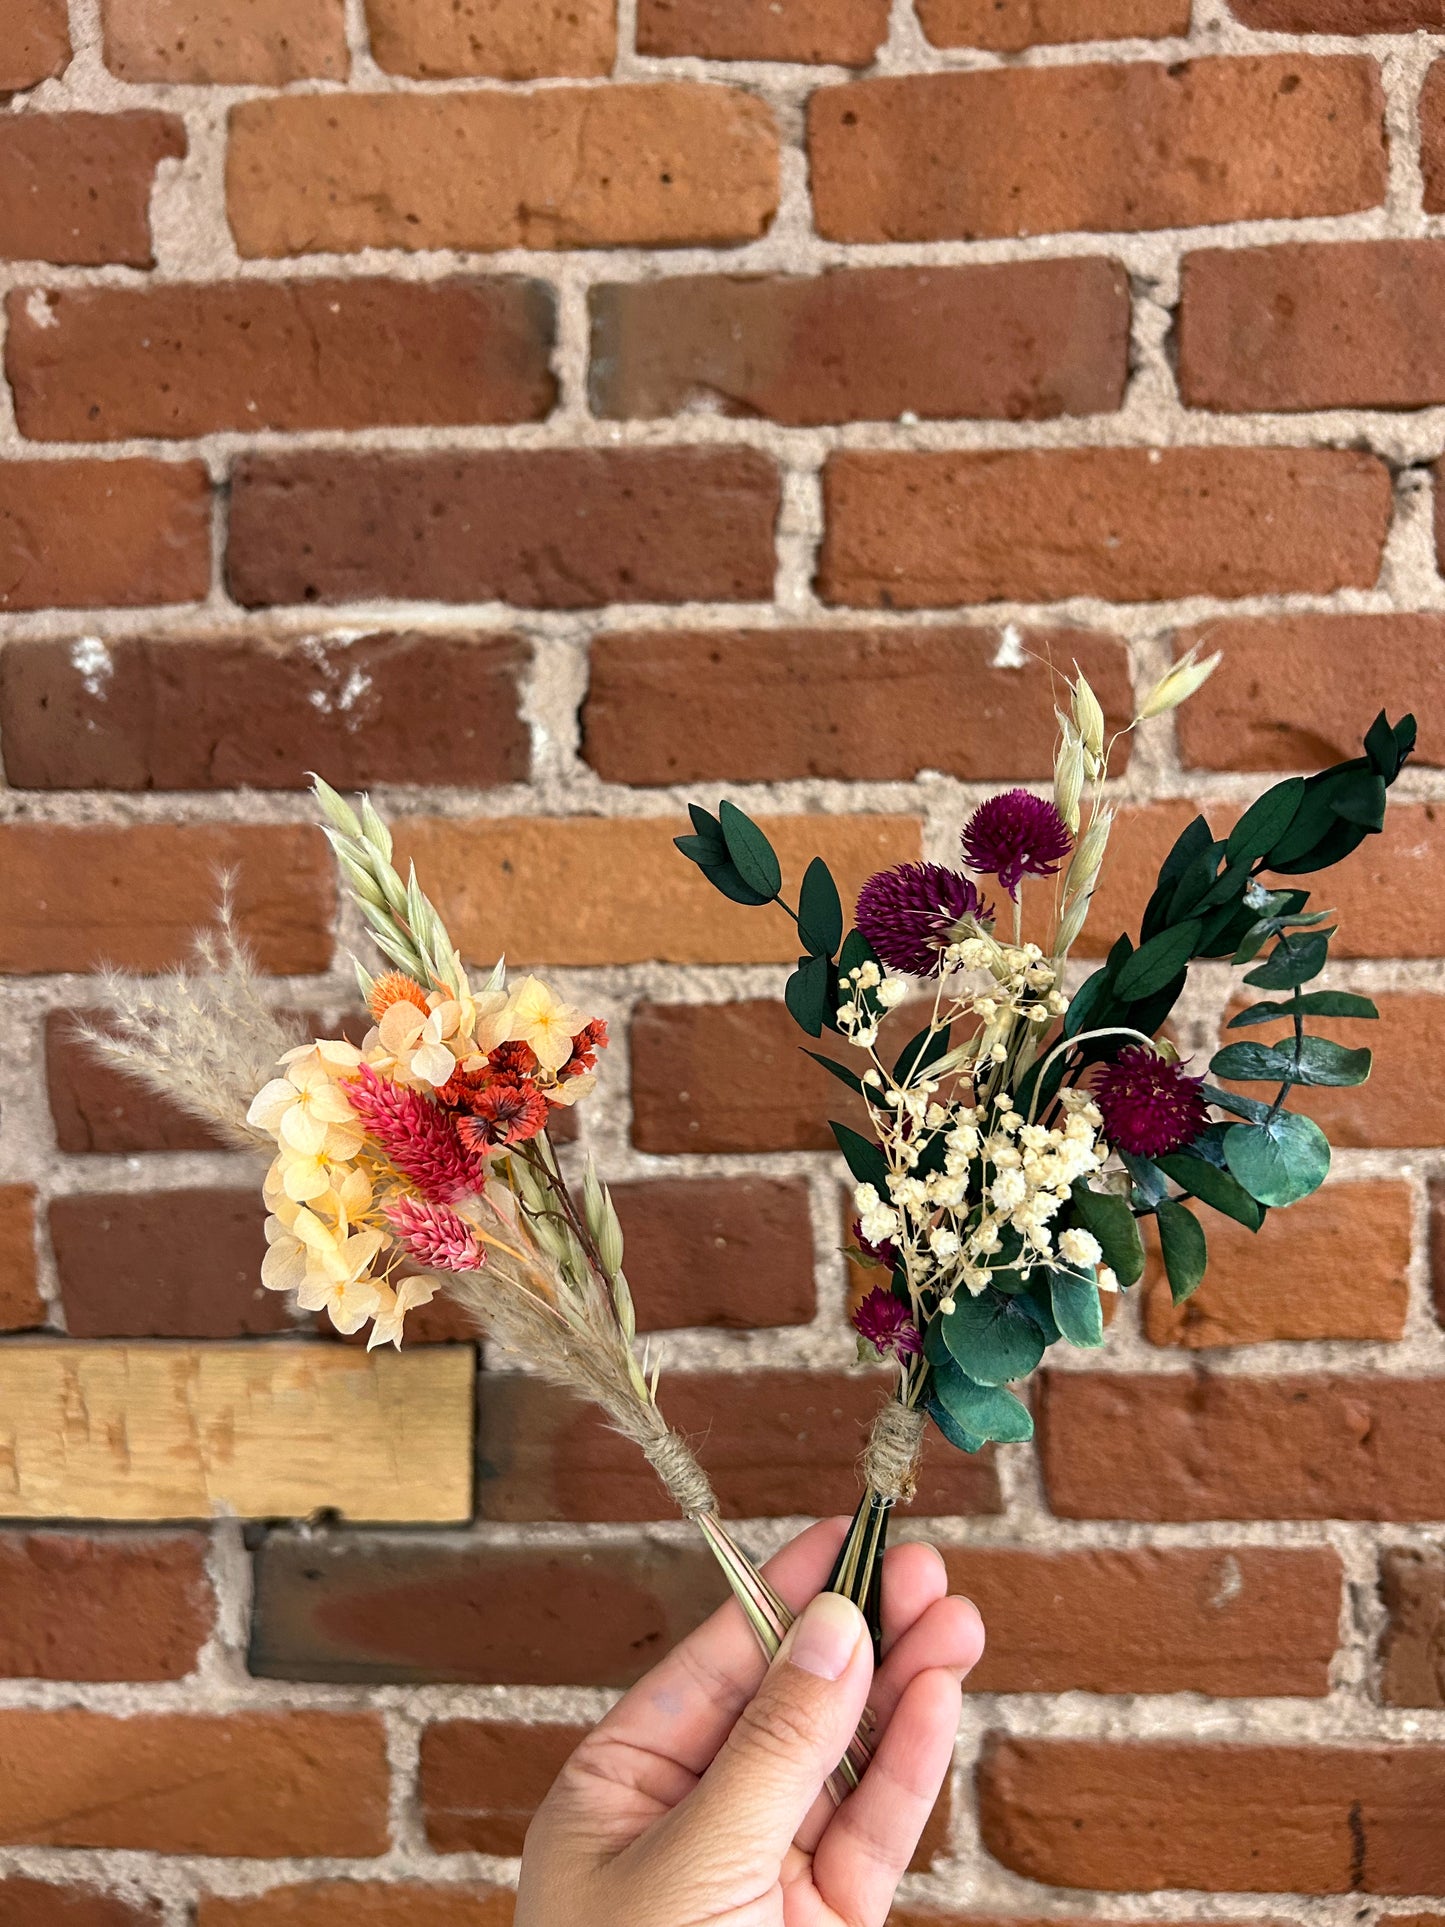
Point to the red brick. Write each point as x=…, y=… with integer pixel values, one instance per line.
x=134, y=897
x=1313, y=1447
x=844, y=33
x=370, y=1609
x=75, y=188
x=1340, y=16
x=96, y=1108
x=164, y=1264
x=222, y=712
x=910, y=530
x=1437, y=1246
x=261, y=1785
x=1336, y=1266
x=661, y=164
x=1432, y=137
x=21, y=1305
x=1045, y=338
x=1234, y=1621
x=777, y=1443
x=269, y=42
x=35, y=1903
x=1412, y=1653
x=482, y=1780
x=1297, y=692
x=1033, y=150
x=861, y=705
x=37, y=45
x=1089, y=1813
x=727, y=1077
x=359, y=1903
x=528, y=887
x=566, y=528
x=1310, y=325
x=510, y=39
x=132, y=1607
x=93, y=534
x=735, y=1253
x=1008, y=26
x=115, y=364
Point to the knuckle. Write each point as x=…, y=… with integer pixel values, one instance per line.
x=781, y=1726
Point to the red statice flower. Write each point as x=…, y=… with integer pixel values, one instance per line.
x=909, y=914
x=417, y=1136
x=885, y=1253
x=1150, y=1105
x=1013, y=836
x=503, y=1114
x=585, y=1045
x=435, y=1235
x=513, y=1060
x=883, y=1321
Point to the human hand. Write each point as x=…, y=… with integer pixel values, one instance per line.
x=699, y=1798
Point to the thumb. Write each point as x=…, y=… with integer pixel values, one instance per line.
x=790, y=1736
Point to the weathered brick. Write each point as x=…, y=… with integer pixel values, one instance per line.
x=269, y=42
x=374, y=1608
x=1336, y=1267
x=664, y=164
x=85, y=1607
x=36, y=1903
x=528, y=887
x=1437, y=1246
x=114, y=364
x=914, y=530
x=85, y=896
x=761, y=705
x=1340, y=16
x=1090, y=1813
x=1432, y=137
x=263, y=1785
x=866, y=344
x=1313, y=1447
x=1234, y=1621
x=844, y=33
x=729, y=1252
x=509, y=39
x=97, y=1108
x=75, y=188
x=1008, y=26
x=265, y=1429
x=1412, y=1653
x=778, y=1443
x=1032, y=150
x=94, y=534
x=164, y=1264
x=566, y=528
x=1397, y=1108
x=21, y=1305
x=217, y=713
x=361, y=1903
x=1310, y=325
x=1296, y=692
x=482, y=1780
x=37, y=45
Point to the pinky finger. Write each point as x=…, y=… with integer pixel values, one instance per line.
x=867, y=1846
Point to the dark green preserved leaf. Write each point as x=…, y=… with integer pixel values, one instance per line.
x=1077, y=1310
x=981, y=1412
x=1088, y=1004
x=1265, y=821
x=992, y=1337
x=1148, y=1180
x=840, y=1071
x=723, y=876
x=1314, y=1003
x=1233, y=1101
x=1281, y=1161
x=1185, y=1249
x=1212, y=1186
x=806, y=994
x=920, y=1053
x=1361, y=800
x=1154, y=963
x=753, y=857
x=820, y=910
x=862, y=1156
x=1111, y=1220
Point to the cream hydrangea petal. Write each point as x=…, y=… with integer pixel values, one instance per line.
x=343, y=1141
x=284, y=1266
x=302, y=1132
x=270, y=1105
x=338, y=1053
x=328, y=1101
x=433, y=1063
x=351, y=1304
x=401, y=1024
x=307, y=1178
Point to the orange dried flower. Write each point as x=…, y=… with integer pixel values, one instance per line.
x=395, y=988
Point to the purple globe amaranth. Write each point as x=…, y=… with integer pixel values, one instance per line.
x=909, y=914
x=1013, y=836
x=1150, y=1105
x=883, y=1321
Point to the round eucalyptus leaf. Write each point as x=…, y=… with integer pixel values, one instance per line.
x=1279, y=1162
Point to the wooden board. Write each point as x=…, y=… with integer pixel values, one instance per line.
x=265, y=1430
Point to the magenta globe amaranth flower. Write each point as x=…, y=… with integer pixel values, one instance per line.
x=883, y=1321
x=909, y=914
x=1013, y=836
x=1149, y=1104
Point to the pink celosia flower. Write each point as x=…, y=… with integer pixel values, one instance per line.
x=1149, y=1104
x=418, y=1137
x=883, y=1321
x=434, y=1235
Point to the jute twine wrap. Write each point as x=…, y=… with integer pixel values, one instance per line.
x=890, y=1458
x=672, y=1459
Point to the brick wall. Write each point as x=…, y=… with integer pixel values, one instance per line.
x=538, y=415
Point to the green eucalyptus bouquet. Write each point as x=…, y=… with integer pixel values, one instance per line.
x=1015, y=1144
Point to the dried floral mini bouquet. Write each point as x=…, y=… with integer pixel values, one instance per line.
x=1015, y=1143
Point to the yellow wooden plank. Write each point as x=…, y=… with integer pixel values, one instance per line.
x=161, y=1431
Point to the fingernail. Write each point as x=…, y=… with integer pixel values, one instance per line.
x=826, y=1636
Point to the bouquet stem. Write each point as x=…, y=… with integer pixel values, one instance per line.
x=890, y=1474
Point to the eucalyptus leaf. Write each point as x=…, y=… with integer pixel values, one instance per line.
x=1148, y=1180
x=1361, y=799
x=806, y=994
x=1279, y=1161
x=1254, y=1063
x=1314, y=1003
x=1111, y=1220
x=1076, y=1307
x=752, y=855
x=983, y=1412
x=725, y=877
x=820, y=910
x=1185, y=1249
x=1265, y=821
x=1293, y=961
x=992, y=1337
x=1154, y=963
x=1322, y=1061
x=1218, y=1189
x=1233, y=1101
